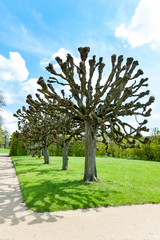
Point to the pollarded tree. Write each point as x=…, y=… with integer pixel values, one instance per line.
x=101, y=106
x=36, y=130
x=62, y=124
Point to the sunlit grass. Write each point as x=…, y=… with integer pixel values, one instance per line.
x=121, y=182
x=4, y=150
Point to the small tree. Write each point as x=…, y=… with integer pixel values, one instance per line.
x=103, y=106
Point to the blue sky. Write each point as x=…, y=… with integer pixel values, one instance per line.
x=33, y=32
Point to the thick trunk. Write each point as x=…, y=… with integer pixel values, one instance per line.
x=90, y=173
x=46, y=155
x=45, y=151
x=65, y=155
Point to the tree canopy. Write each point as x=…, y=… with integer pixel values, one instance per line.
x=98, y=105
x=101, y=106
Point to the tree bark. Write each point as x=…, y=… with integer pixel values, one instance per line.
x=46, y=155
x=33, y=153
x=39, y=150
x=40, y=153
x=90, y=173
x=65, y=155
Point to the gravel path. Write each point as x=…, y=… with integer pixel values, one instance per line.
x=141, y=222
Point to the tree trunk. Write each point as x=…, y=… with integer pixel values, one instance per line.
x=33, y=153
x=39, y=150
x=46, y=155
x=39, y=153
x=65, y=154
x=90, y=173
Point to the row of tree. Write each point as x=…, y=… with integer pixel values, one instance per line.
x=148, y=151
x=94, y=108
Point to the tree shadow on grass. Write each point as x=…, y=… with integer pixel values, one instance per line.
x=65, y=195
x=31, y=168
x=43, y=197
x=51, y=195
x=40, y=168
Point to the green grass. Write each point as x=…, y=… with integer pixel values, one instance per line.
x=4, y=150
x=121, y=182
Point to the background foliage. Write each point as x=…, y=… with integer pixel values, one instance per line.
x=148, y=151
x=16, y=147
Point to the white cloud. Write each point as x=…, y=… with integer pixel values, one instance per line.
x=30, y=87
x=9, y=122
x=13, y=78
x=44, y=62
x=144, y=25
x=60, y=53
x=13, y=69
x=9, y=97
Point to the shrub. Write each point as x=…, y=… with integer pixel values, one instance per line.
x=17, y=148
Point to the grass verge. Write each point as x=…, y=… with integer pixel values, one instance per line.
x=47, y=188
x=4, y=150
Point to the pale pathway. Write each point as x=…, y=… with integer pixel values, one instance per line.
x=119, y=223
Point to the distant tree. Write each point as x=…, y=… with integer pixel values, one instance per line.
x=101, y=106
x=78, y=148
x=41, y=128
x=62, y=124
x=17, y=147
x=155, y=132
x=2, y=103
x=154, y=145
x=1, y=136
x=35, y=129
x=5, y=136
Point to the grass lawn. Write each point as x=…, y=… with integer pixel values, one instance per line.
x=122, y=182
x=4, y=150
